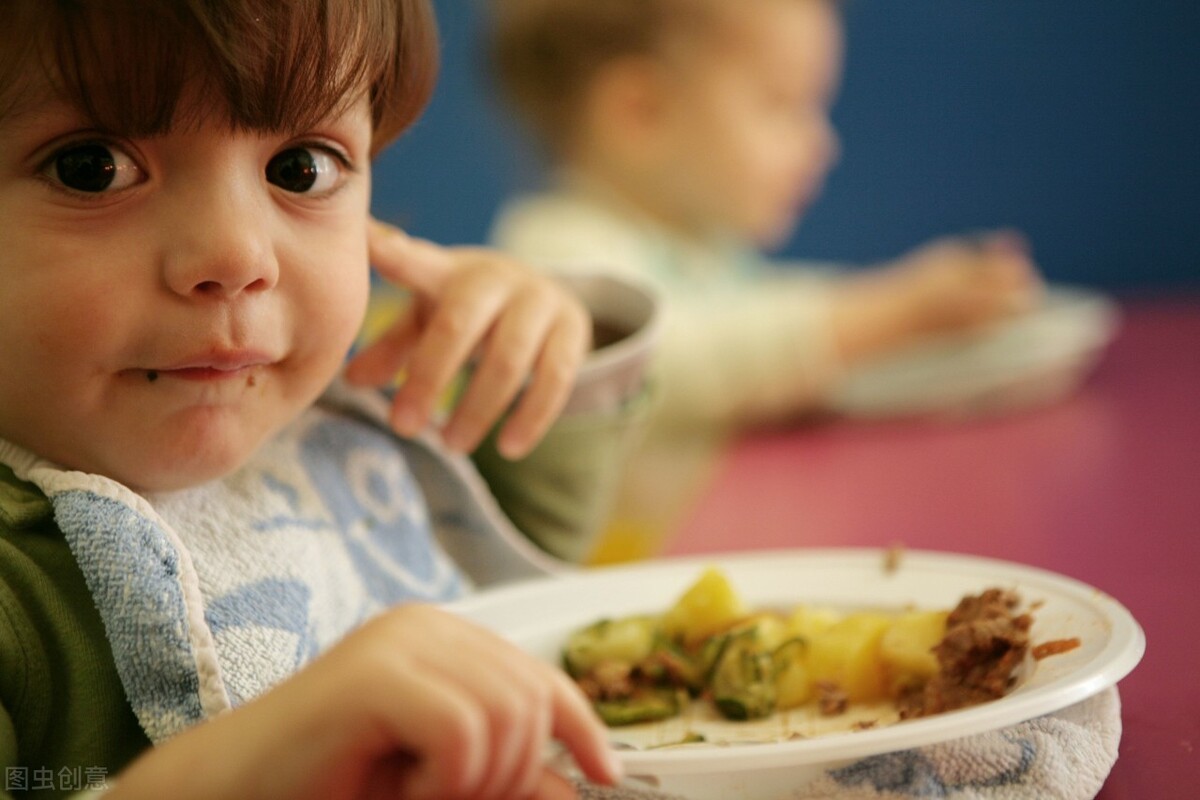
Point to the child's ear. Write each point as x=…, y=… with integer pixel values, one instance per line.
x=628, y=100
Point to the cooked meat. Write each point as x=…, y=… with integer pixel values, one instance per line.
x=608, y=680
x=831, y=700
x=1054, y=647
x=985, y=641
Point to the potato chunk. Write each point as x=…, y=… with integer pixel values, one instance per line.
x=906, y=648
x=709, y=606
x=847, y=654
x=806, y=622
x=793, y=679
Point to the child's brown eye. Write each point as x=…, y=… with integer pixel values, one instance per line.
x=303, y=169
x=93, y=168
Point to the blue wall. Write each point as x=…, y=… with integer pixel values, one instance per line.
x=1076, y=121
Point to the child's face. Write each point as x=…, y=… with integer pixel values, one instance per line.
x=171, y=302
x=748, y=137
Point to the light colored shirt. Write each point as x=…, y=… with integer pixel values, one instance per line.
x=744, y=341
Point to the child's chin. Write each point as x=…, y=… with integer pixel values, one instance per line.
x=184, y=472
x=772, y=237
x=769, y=230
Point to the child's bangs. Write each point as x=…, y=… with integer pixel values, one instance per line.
x=144, y=67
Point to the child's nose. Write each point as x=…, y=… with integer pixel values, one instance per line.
x=220, y=246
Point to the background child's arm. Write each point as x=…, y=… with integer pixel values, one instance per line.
x=417, y=703
x=529, y=333
x=778, y=344
x=948, y=285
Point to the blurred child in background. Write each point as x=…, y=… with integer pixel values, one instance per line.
x=687, y=136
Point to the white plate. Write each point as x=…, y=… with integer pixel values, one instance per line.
x=1031, y=359
x=538, y=615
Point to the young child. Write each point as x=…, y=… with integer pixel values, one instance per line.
x=687, y=135
x=203, y=545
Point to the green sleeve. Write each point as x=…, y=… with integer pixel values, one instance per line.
x=8, y=751
x=65, y=725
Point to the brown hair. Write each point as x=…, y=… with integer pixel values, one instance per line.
x=276, y=65
x=546, y=52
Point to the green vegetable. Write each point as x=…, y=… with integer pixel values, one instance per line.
x=647, y=705
x=628, y=640
x=743, y=682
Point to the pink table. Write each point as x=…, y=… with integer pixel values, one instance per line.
x=1104, y=487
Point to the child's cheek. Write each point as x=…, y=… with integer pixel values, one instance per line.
x=338, y=308
x=81, y=320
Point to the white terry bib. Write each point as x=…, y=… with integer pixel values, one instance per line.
x=322, y=529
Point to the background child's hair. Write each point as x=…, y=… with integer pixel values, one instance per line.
x=546, y=52
x=275, y=65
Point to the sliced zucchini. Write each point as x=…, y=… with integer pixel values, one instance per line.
x=648, y=705
x=743, y=682
x=627, y=639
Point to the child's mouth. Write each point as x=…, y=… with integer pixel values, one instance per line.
x=200, y=374
x=213, y=367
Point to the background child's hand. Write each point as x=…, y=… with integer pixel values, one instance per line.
x=417, y=703
x=961, y=282
x=948, y=285
x=530, y=336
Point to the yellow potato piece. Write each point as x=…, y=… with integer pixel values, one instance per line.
x=847, y=654
x=806, y=622
x=906, y=648
x=793, y=680
x=710, y=605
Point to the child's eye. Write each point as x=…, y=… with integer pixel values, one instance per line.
x=93, y=167
x=305, y=170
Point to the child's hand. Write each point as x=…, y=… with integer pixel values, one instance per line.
x=530, y=335
x=958, y=283
x=947, y=286
x=417, y=704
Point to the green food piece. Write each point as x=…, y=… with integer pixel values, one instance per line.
x=743, y=681
x=791, y=651
x=644, y=706
x=669, y=664
x=628, y=640
x=691, y=737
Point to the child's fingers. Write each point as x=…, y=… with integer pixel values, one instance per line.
x=416, y=264
x=520, y=736
x=505, y=721
x=470, y=290
x=533, y=775
x=526, y=727
x=456, y=328
x=552, y=786
x=513, y=706
x=379, y=362
x=1010, y=273
x=486, y=662
x=519, y=767
x=449, y=738
x=513, y=347
x=516, y=697
x=1007, y=241
x=582, y=732
x=548, y=388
